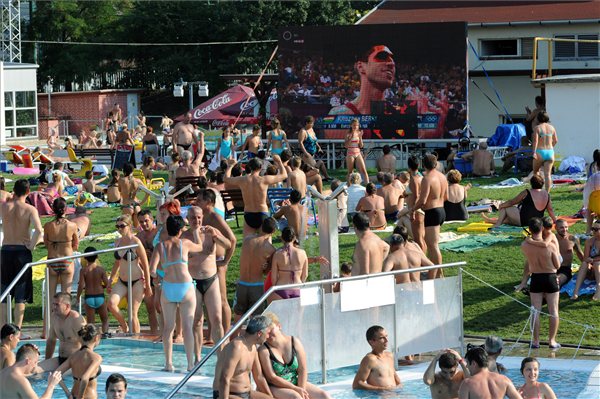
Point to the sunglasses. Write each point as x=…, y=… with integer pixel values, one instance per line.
x=381, y=56
x=120, y=226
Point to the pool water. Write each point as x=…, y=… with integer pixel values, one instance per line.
x=142, y=361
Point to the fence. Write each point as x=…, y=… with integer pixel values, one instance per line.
x=6, y=294
x=433, y=309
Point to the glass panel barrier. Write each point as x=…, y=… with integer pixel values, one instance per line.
x=426, y=321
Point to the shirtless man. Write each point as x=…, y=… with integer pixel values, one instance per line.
x=188, y=166
x=403, y=257
x=238, y=359
x=252, y=144
x=543, y=264
x=294, y=213
x=65, y=323
x=82, y=220
x=206, y=201
x=91, y=185
x=483, y=384
x=13, y=379
x=296, y=177
x=203, y=269
x=18, y=218
x=255, y=258
x=483, y=160
x=567, y=244
x=370, y=250
x=117, y=114
x=434, y=191
x=392, y=197
x=146, y=235
x=387, y=162
x=417, y=220
x=254, y=191
x=183, y=134
x=376, y=371
x=445, y=383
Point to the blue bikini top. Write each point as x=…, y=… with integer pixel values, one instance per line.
x=175, y=262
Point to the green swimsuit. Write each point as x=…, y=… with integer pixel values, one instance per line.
x=289, y=371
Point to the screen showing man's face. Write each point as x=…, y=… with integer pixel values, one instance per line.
x=379, y=69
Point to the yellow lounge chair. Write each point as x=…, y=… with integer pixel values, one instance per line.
x=86, y=164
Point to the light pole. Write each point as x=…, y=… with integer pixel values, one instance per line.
x=202, y=90
x=49, y=91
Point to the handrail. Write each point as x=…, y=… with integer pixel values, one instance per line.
x=550, y=40
x=264, y=297
x=29, y=265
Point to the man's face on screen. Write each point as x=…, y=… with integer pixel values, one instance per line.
x=379, y=68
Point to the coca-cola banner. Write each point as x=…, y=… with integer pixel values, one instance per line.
x=224, y=109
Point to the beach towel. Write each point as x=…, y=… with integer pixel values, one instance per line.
x=587, y=288
x=448, y=236
x=511, y=182
x=569, y=219
x=472, y=243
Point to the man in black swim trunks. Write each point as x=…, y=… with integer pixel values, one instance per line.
x=254, y=191
x=18, y=218
x=238, y=359
x=183, y=134
x=433, y=193
x=543, y=264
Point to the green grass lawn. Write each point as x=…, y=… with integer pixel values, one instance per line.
x=486, y=311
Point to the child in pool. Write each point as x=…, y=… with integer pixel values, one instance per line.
x=93, y=280
x=345, y=271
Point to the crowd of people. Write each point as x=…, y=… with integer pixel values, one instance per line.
x=179, y=266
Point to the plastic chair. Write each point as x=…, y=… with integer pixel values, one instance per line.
x=276, y=196
x=154, y=184
x=86, y=164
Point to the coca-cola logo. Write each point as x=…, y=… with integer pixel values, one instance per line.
x=250, y=105
x=216, y=103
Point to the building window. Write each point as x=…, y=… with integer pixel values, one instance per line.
x=518, y=48
x=20, y=114
x=576, y=50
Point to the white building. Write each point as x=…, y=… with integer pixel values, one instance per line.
x=18, y=106
x=502, y=33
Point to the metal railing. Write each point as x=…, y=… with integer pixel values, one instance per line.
x=326, y=282
x=6, y=294
x=549, y=40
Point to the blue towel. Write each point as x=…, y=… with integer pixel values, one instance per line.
x=587, y=288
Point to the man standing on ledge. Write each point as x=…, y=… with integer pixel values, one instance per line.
x=376, y=371
x=17, y=218
x=484, y=384
x=434, y=191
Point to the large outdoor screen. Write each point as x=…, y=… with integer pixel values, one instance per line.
x=403, y=81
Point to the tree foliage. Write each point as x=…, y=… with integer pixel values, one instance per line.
x=171, y=22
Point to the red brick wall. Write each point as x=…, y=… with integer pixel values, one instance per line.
x=78, y=110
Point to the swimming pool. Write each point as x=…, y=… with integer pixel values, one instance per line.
x=141, y=361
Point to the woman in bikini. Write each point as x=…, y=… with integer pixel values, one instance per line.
x=177, y=288
x=289, y=266
x=128, y=186
x=113, y=194
x=10, y=335
x=276, y=139
x=60, y=239
x=533, y=389
x=353, y=143
x=590, y=267
x=374, y=206
x=84, y=364
x=543, y=142
x=140, y=274
x=307, y=141
x=150, y=143
x=283, y=362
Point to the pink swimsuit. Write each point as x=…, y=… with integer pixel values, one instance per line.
x=353, y=147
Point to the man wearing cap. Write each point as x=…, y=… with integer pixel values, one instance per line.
x=493, y=347
x=483, y=160
x=377, y=71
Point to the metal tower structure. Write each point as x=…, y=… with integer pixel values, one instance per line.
x=10, y=30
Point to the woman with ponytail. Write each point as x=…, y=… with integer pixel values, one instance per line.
x=60, y=239
x=85, y=364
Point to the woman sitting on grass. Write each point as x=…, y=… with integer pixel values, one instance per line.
x=84, y=364
x=590, y=267
x=526, y=205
